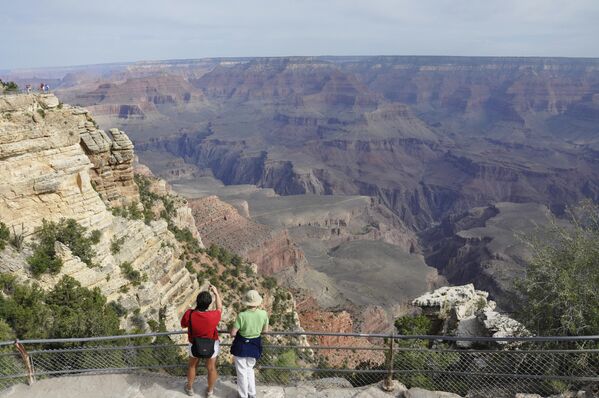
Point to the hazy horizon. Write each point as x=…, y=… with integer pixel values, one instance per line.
x=69, y=33
x=127, y=62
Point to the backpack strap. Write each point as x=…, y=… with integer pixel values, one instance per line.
x=189, y=329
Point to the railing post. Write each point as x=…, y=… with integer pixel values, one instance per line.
x=26, y=361
x=388, y=383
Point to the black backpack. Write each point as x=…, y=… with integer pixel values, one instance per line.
x=201, y=347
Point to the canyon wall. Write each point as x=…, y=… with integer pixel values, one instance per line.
x=221, y=224
x=45, y=175
x=429, y=138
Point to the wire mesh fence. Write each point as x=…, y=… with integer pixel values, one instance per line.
x=489, y=368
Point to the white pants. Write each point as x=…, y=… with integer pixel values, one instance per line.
x=246, y=381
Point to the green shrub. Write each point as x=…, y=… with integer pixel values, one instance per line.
x=132, y=275
x=118, y=309
x=287, y=359
x=269, y=282
x=189, y=267
x=413, y=325
x=236, y=260
x=120, y=212
x=67, y=310
x=17, y=239
x=9, y=87
x=116, y=244
x=44, y=260
x=69, y=233
x=134, y=212
x=153, y=325
x=146, y=197
x=4, y=235
x=41, y=112
x=185, y=236
x=213, y=251
x=560, y=294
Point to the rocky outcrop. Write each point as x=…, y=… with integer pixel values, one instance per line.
x=113, y=164
x=466, y=312
x=43, y=169
x=45, y=174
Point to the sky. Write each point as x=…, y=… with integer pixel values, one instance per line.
x=41, y=33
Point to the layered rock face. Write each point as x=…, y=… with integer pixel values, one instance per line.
x=138, y=97
x=44, y=170
x=338, y=125
x=342, y=126
x=221, y=224
x=113, y=164
x=45, y=174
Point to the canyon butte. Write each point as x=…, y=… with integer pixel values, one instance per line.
x=360, y=182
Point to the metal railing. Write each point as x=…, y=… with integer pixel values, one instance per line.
x=498, y=367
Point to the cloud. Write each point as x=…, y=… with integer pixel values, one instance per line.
x=66, y=32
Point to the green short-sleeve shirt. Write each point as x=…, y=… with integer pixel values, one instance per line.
x=251, y=322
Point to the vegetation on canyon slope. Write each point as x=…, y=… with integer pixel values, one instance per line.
x=560, y=288
x=67, y=310
x=8, y=87
x=67, y=232
x=4, y=235
x=226, y=270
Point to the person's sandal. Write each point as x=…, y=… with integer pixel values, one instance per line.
x=209, y=394
x=188, y=390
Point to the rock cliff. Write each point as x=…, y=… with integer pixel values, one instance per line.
x=221, y=224
x=50, y=156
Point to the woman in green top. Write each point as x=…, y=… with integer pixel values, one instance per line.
x=247, y=346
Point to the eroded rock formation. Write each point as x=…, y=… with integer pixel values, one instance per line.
x=113, y=164
x=465, y=312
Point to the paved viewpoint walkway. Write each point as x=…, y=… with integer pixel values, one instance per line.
x=155, y=386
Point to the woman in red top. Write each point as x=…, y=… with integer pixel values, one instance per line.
x=203, y=324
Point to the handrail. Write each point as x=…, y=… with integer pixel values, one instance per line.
x=520, y=368
x=318, y=334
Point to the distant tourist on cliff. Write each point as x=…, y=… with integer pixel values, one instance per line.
x=42, y=87
x=203, y=338
x=247, y=343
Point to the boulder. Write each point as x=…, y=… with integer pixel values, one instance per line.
x=48, y=101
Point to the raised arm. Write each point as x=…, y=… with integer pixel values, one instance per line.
x=219, y=302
